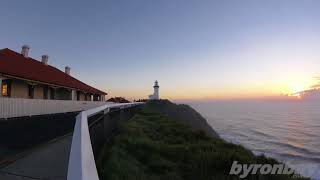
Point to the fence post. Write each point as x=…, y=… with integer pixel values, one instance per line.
x=0, y=87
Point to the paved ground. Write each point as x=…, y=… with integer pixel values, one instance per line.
x=48, y=162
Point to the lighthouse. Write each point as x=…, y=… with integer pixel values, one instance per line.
x=156, y=90
x=155, y=95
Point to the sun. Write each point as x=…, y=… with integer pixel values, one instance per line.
x=297, y=87
x=293, y=87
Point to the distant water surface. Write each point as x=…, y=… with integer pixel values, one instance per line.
x=286, y=130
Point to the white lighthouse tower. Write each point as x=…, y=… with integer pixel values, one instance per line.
x=155, y=95
x=156, y=90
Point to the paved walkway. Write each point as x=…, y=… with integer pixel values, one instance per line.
x=48, y=162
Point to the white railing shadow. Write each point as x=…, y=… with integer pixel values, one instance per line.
x=81, y=160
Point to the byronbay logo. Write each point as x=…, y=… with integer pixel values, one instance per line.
x=243, y=170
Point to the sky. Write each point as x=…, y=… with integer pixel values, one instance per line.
x=196, y=49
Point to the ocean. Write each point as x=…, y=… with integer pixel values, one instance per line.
x=286, y=130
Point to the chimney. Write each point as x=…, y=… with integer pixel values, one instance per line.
x=25, y=51
x=45, y=59
x=67, y=70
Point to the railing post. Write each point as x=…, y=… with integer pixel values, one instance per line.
x=106, y=111
x=73, y=95
x=0, y=86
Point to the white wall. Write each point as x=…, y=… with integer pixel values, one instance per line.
x=16, y=107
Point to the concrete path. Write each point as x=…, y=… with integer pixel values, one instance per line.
x=47, y=162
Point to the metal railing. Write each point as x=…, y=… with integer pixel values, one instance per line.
x=17, y=107
x=81, y=160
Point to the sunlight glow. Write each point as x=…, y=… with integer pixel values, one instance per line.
x=292, y=87
x=297, y=87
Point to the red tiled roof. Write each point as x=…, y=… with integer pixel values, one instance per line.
x=15, y=64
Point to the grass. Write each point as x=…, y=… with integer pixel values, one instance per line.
x=151, y=146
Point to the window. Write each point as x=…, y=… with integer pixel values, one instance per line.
x=78, y=95
x=31, y=91
x=4, y=90
x=52, y=93
x=45, y=92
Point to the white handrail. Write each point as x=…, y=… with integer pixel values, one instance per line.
x=81, y=161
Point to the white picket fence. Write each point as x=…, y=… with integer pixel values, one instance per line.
x=16, y=107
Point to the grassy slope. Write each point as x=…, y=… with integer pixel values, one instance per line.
x=152, y=146
x=181, y=113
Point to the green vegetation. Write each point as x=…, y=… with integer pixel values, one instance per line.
x=153, y=146
x=181, y=113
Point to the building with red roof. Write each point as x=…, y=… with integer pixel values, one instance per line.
x=118, y=100
x=24, y=77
